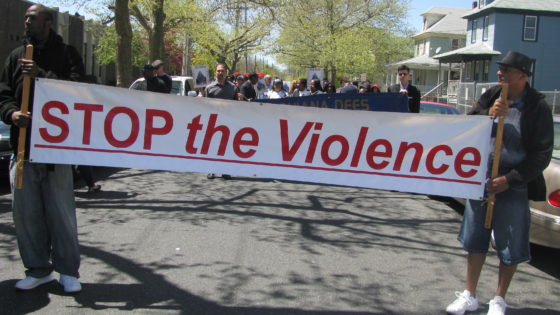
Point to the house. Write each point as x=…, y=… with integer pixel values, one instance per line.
x=498, y=26
x=443, y=30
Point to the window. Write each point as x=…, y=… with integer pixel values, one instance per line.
x=421, y=48
x=93, y=61
x=468, y=71
x=481, y=3
x=485, y=70
x=477, y=70
x=530, y=28
x=473, y=31
x=85, y=58
x=486, y=22
x=454, y=43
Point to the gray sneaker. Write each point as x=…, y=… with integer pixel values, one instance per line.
x=31, y=282
x=464, y=302
x=70, y=284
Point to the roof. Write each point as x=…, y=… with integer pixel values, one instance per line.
x=470, y=52
x=522, y=5
x=442, y=11
x=452, y=21
x=418, y=62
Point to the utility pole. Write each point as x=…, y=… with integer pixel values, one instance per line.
x=246, y=56
x=187, y=56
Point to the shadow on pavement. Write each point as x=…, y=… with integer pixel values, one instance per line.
x=151, y=290
x=546, y=259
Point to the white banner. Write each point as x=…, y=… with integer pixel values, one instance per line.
x=314, y=73
x=200, y=76
x=77, y=123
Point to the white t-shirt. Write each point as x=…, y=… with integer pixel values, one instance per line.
x=274, y=95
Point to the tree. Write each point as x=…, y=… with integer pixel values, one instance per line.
x=228, y=30
x=124, y=43
x=106, y=51
x=151, y=16
x=341, y=36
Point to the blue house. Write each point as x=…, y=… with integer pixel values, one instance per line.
x=495, y=27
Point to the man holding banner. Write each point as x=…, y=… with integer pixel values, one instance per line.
x=221, y=88
x=43, y=209
x=528, y=139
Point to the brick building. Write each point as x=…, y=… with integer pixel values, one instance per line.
x=72, y=28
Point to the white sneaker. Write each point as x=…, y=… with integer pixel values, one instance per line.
x=70, y=284
x=464, y=302
x=31, y=282
x=497, y=306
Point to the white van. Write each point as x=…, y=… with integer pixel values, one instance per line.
x=181, y=85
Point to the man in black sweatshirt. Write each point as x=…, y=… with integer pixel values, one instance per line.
x=44, y=209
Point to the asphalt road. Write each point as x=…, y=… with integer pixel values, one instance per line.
x=177, y=243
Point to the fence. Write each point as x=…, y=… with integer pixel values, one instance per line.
x=465, y=95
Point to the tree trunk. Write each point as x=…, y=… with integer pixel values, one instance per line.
x=124, y=43
x=157, y=36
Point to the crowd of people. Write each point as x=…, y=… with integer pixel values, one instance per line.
x=267, y=87
x=249, y=87
x=44, y=208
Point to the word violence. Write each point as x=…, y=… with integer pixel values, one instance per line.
x=333, y=150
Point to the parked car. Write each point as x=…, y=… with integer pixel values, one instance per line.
x=545, y=215
x=5, y=149
x=438, y=108
x=181, y=85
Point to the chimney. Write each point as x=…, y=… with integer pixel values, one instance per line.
x=474, y=4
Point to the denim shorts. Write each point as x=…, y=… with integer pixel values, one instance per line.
x=511, y=223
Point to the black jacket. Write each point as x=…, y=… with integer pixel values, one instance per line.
x=537, y=133
x=248, y=90
x=58, y=61
x=413, y=96
x=154, y=84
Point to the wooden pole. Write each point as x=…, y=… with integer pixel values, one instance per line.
x=24, y=108
x=496, y=160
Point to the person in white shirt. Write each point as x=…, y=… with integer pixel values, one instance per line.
x=301, y=89
x=268, y=83
x=277, y=90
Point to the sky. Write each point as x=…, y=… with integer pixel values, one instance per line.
x=418, y=7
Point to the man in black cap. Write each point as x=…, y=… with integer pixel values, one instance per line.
x=528, y=140
x=160, y=73
x=151, y=81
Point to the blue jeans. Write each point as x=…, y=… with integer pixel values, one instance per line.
x=45, y=219
x=511, y=223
